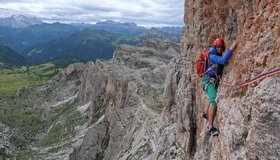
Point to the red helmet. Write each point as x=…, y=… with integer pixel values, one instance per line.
x=219, y=42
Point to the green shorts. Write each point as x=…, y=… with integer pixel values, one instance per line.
x=210, y=89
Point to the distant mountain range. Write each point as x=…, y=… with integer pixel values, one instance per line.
x=86, y=45
x=19, y=21
x=40, y=42
x=171, y=30
x=119, y=28
x=22, y=38
x=172, y=34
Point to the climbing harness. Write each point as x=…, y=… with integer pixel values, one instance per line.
x=209, y=69
x=211, y=80
x=247, y=82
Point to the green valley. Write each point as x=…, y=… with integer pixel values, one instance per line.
x=13, y=78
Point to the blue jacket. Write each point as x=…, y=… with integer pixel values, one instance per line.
x=216, y=59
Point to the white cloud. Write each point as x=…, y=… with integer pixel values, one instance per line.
x=142, y=12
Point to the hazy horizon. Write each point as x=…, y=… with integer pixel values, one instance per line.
x=146, y=13
x=81, y=23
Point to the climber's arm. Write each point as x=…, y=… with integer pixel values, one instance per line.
x=221, y=59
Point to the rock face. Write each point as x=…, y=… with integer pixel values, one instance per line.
x=130, y=86
x=125, y=97
x=248, y=117
x=7, y=144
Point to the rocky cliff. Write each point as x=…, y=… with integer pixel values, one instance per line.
x=124, y=99
x=248, y=117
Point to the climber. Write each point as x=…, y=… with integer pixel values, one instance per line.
x=210, y=79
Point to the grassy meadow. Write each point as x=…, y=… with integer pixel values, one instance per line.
x=26, y=121
x=12, y=78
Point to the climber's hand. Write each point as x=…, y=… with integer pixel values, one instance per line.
x=232, y=47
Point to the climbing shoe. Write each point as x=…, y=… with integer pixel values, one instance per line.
x=205, y=115
x=213, y=131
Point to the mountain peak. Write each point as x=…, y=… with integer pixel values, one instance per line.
x=109, y=22
x=112, y=22
x=18, y=16
x=19, y=21
x=122, y=28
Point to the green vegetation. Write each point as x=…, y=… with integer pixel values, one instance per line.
x=25, y=123
x=12, y=78
x=54, y=135
x=157, y=107
x=74, y=75
x=173, y=154
x=25, y=155
x=64, y=120
x=9, y=56
x=64, y=61
x=100, y=102
x=14, y=113
x=130, y=40
x=20, y=112
x=99, y=156
x=145, y=148
x=142, y=64
x=4, y=156
x=105, y=141
x=149, y=53
x=104, y=145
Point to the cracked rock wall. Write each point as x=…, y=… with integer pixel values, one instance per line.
x=248, y=117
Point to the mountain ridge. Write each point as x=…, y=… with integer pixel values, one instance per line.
x=11, y=57
x=87, y=45
x=19, y=21
x=21, y=39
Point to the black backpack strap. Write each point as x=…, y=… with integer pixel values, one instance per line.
x=220, y=69
x=206, y=64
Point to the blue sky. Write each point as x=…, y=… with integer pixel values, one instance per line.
x=146, y=13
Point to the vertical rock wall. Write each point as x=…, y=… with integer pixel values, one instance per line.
x=248, y=117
